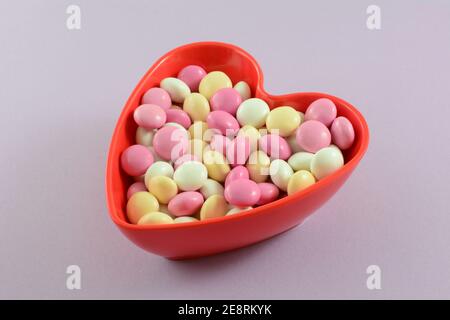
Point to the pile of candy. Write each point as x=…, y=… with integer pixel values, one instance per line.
x=205, y=149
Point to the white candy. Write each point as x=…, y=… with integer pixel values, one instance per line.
x=253, y=112
x=144, y=137
x=190, y=176
x=235, y=210
x=280, y=173
x=184, y=219
x=158, y=168
x=244, y=90
x=301, y=161
x=177, y=89
x=174, y=124
x=326, y=161
x=211, y=187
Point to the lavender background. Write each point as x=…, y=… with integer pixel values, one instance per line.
x=61, y=92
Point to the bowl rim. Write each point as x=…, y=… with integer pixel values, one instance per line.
x=345, y=169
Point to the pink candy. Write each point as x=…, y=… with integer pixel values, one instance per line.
x=342, y=133
x=220, y=143
x=185, y=203
x=136, y=159
x=323, y=110
x=269, y=192
x=223, y=121
x=170, y=142
x=242, y=193
x=192, y=75
x=135, y=187
x=238, y=150
x=227, y=99
x=238, y=172
x=313, y=135
x=178, y=116
x=150, y=116
x=157, y=96
x=275, y=146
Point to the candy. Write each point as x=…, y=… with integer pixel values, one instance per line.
x=157, y=96
x=243, y=89
x=216, y=165
x=196, y=147
x=192, y=75
x=149, y=116
x=323, y=110
x=226, y=99
x=190, y=176
x=238, y=150
x=253, y=112
x=197, y=130
x=156, y=217
x=238, y=172
x=252, y=134
x=283, y=121
x=136, y=159
x=163, y=188
x=170, y=142
x=213, y=82
x=144, y=137
x=269, y=192
x=220, y=143
x=326, y=161
x=185, y=203
x=258, y=166
x=185, y=158
x=280, y=173
x=178, y=116
x=275, y=146
x=301, y=161
x=242, y=193
x=224, y=152
x=210, y=188
x=300, y=180
x=342, y=133
x=135, y=187
x=222, y=121
x=213, y=207
x=177, y=89
x=184, y=219
x=235, y=210
x=158, y=168
x=196, y=106
x=313, y=135
x=139, y=204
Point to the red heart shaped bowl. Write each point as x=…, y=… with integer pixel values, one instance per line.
x=195, y=239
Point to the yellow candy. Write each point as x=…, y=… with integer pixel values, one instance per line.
x=212, y=82
x=139, y=204
x=258, y=166
x=300, y=180
x=216, y=164
x=155, y=218
x=163, y=188
x=253, y=135
x=197, y=130
x=214, y=206
x=283, y=119
x=196, y=148
x=196, y=106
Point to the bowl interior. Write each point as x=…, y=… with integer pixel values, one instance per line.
x=238, y=65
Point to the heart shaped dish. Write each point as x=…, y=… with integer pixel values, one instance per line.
x=201, y=238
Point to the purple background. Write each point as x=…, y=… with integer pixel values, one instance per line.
x=62, y=91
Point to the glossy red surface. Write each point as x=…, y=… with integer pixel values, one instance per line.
x=195, y=239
